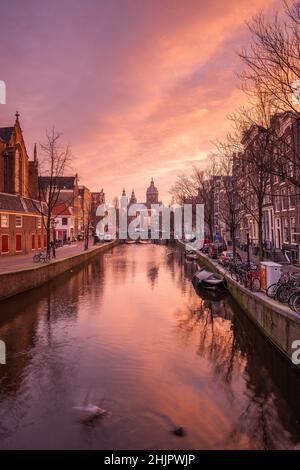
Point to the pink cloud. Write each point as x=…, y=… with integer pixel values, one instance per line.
x=139, y=88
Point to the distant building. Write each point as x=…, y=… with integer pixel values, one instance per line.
x=85, y=197
x=68, y=194
x=152, y=195
x=64, y=222
x=97, y=198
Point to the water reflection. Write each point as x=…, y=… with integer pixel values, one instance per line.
x=130, y=330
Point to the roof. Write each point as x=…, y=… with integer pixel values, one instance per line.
x=6, y=133
x=61, y=208
x=17, y=203
x=62, y=182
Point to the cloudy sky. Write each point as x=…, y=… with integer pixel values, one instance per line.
x=139, y=88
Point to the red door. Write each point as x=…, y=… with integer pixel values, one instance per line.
x=39, y=241
x=18, y=242
x=33, y=241
x=45, y=240
x=4, y=244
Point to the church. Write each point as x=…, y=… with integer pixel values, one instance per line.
x=21, y=229
x=151, y=196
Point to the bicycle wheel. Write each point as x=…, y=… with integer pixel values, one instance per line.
x=36, y=258
x=272, y=290
x=283, y=294
x=296, y=304
x=292, y=299
x=234, y=276
x=255, y=285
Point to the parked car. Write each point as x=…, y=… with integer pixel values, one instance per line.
x=189, y=237
x=215, y=249
x=107, y=237
x=227, y=257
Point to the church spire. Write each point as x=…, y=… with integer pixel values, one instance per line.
x=17, y=116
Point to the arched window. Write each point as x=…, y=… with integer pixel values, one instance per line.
x=20, y=173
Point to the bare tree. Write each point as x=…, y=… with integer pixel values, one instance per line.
x=231, y=211
x=272, y=65
x=273, y=57
x=198, y=188
x=56, y=160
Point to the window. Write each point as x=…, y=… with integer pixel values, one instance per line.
x=292, y=196
x=277, y=202
x=64, y=221
x=33, y=241
x=39, y=222
x=18, y=242
x=293, y=230
x=4, y=244
x=18, y=221
x=285, y=230
x=4, y=221
x=285, y=199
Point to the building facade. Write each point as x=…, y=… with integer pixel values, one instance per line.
x=68, y=195
x=21, y=226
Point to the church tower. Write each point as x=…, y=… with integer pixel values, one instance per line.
x=132, y=198
x=34, y=176
x=151, y=194
x=14, y=161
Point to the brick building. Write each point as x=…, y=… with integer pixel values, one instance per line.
x=85, y=197
x=97, y=198
x=21, y=225
x=68, y=195
x=282, y=223
x=18, y=175
x=21, y=229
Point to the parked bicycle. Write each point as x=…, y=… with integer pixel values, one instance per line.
x=285, y=287
x=246, y=274
x=294, y=301
x=41, y=256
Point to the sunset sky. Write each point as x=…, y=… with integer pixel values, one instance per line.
x=139, y=88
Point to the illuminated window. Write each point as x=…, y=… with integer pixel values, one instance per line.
x=4, y=221
x=19, y=221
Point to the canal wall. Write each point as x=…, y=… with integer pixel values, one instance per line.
x=277, y=322
x=15, y=282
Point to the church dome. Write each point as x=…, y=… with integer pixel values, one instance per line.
x=152, y=189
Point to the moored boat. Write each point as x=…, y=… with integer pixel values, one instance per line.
x=208, y=280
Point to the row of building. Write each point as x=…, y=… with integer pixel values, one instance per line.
x=281, y=201
x=22, y=227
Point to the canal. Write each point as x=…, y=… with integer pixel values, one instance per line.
x=128, y=332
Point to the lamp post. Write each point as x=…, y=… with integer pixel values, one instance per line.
x=248, y=250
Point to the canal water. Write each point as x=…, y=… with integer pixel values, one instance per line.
x=128, y=332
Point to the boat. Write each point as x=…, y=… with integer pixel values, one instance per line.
x=208, y=280
x=210, y=295
x=190, y=255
